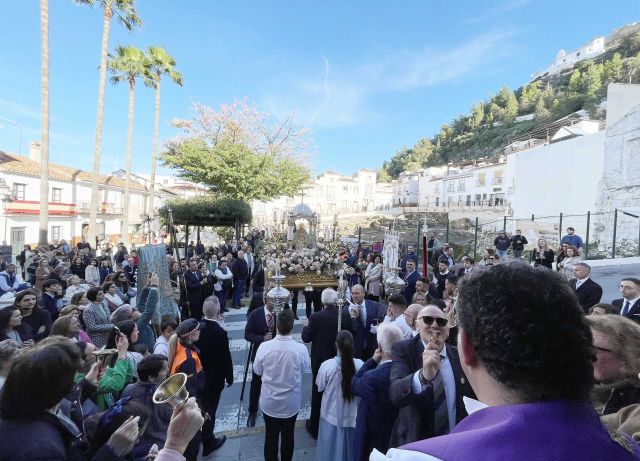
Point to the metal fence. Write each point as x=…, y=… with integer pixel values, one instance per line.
x=605, y=235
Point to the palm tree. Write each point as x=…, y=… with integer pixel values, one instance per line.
x=161, y=63
x=127, y=65
x=44, y=139
x=125, y=11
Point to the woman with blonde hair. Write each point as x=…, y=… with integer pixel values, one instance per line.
x=69, y=327
x=543, y=255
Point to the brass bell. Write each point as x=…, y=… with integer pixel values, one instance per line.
x=173, y=391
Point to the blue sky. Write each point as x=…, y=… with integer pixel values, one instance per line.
x=367, y=77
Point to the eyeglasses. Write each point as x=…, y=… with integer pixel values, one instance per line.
x=410, y=316
x=492, y=258
x=428, y=320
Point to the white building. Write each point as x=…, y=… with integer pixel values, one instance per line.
x=330, y=194
x=69, y=199
x=174, y=184
x=566, y=60
x=477, y=183
x=406, y=190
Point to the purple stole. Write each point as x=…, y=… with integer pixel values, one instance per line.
x=556, y=430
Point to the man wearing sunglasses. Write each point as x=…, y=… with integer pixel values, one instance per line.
x=527, y=350
x=427, y=381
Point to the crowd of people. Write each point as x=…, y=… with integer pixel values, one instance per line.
x=456, y=365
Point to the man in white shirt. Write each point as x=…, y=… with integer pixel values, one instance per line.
x=281, y=363
x=395, y=315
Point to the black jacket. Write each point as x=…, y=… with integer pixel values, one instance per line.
x=518, y=242
x=215, y=356
x=255, y=329
x=634, y=309
x=321, y=333
x=588, y=294
x=415, y=418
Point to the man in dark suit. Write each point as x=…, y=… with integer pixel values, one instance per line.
x=240, y=272
x=410, y=279
x=587, y=291
x=410, y=256
x=427, y=385
x=194, y=281
x=216, y=361
x=376, y=413
x=629, y=304
x=321, y=330
x=259, y=328
x=364, y=315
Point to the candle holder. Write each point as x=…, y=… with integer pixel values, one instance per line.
x=278, y=296
x=342, y=298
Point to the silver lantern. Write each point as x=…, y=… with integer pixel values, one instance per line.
x=393, y=283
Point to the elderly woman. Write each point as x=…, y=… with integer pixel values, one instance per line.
x=42, y=272
x=73, y=287
x=568, y=263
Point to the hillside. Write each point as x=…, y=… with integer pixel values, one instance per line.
x=509, y=115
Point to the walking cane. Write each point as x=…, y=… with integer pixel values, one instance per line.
x=246, y=370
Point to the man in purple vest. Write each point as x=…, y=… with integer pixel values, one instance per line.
x=527, y=351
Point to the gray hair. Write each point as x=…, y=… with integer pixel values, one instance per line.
x=122, y=313
x=585, y=266
x=211, y=307
x=329, y=297
x=387, y=335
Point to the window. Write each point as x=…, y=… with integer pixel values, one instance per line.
x=345, y=189
x=497, y=177
x=481, y=179
x=56, y=232
x=18, y=191
x=56, y=195
x=356, y=189
x=461, y=186
x=451, y=187
x=101, y=231
x=331, y=193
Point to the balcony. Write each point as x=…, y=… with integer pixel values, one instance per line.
x=104, y=208
x=32, y=207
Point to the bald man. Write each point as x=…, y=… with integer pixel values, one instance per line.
x=411, y=317
x=427, y=381
x=365, y=316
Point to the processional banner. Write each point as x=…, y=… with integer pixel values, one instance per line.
x=153, y=258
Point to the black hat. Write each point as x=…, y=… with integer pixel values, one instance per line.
x=187, y=327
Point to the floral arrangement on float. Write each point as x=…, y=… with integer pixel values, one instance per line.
x=326, y=258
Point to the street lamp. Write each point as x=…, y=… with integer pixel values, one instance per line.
x=7, y=197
